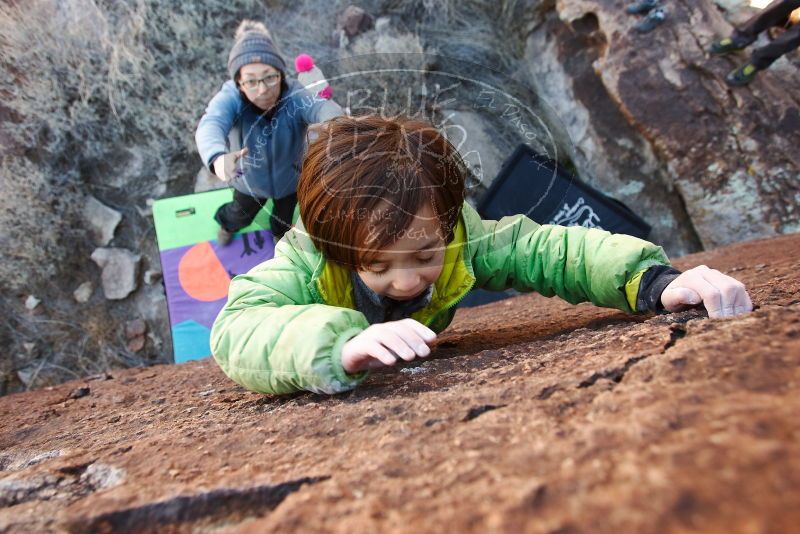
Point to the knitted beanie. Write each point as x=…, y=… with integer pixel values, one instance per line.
x=253, y=44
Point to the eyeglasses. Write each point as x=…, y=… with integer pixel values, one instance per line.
x=270, y=80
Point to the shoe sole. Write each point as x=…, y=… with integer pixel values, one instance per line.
x=737, y=83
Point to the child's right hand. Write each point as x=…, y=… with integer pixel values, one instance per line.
x=381, y=344
x=225, y=165
x=722, y=295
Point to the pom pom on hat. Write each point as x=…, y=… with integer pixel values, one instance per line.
x=311, y=76
x=303, y=63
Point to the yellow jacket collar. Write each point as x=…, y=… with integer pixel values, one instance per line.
x=456, y=278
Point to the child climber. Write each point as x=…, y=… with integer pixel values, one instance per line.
x=386, y=247
x=253, y=132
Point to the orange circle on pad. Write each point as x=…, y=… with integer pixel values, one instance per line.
x=202, y=275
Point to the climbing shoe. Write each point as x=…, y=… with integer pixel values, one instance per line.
x=741, y=76
x=653, y=19
x=224, y=237
x=727, y=45
x=641, y=7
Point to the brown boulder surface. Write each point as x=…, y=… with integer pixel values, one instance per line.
x=655, y=124
x=532, y=415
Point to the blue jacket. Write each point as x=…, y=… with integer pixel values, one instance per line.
x=276, y=139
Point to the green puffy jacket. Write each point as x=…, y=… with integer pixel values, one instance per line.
x=285, y=321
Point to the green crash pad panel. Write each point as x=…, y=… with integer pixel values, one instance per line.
x=197, y=270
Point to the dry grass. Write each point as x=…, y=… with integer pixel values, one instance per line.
x=102, y=97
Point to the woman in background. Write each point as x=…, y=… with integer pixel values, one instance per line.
x=253, y=132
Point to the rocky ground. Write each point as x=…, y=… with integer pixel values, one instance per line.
x=533, y=415
x=88, y=146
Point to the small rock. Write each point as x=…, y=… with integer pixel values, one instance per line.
x=382, y=24
x=136, y=344
x=101, y=476
x=135, y=328
x=27, y=375
x=354, y=20
x=155, y=341
x=77, y=393
x=102, y=220
x=339, y=39
x=152, y=276
x=750, y=145
x=206, y=393
x=84, y=292
x=31, y=302
x=120, y=270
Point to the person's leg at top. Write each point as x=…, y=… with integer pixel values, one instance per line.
x=281, y=217
x=763, y=57
x=775, y=14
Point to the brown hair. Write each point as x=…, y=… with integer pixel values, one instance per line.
x=365, y=178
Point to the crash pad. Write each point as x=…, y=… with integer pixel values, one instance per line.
x=197, y=270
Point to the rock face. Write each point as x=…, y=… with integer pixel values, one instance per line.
x=120, y=271
x=474, y=140
x=654, y=124
x=531, y=416
x=648, y=117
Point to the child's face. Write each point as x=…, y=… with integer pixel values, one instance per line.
x=406, y=268
x=255, y=80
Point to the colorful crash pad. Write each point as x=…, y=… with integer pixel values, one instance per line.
x=197, y=270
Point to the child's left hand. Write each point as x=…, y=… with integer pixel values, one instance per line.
x=722, y=295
